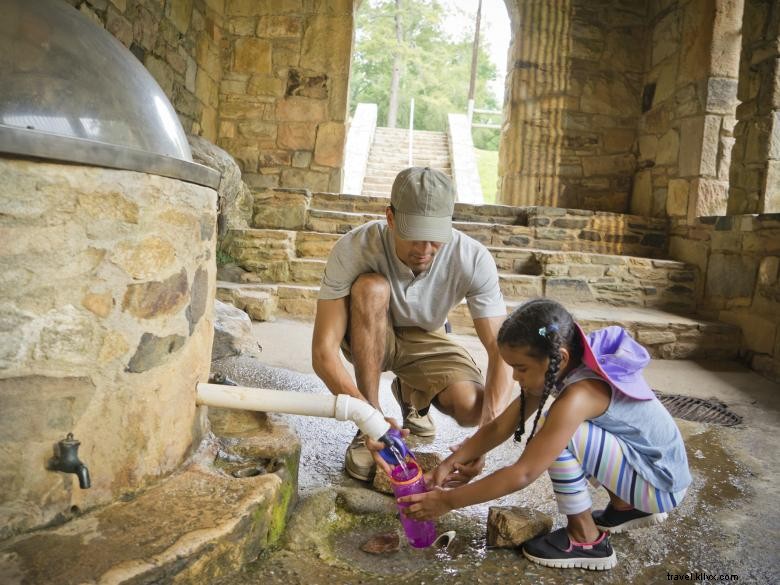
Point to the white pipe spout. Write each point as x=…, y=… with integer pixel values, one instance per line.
x=341, y=407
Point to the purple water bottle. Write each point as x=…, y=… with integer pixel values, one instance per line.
x=406, y=482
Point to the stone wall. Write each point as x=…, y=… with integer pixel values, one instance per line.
x=755, y=174
x=574, y=86
x=179, y=42
x=106, y=281
x=688, y=104
x=266, y=81
x=740, y=258
x=283, y=96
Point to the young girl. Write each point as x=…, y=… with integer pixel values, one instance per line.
x=605, y=425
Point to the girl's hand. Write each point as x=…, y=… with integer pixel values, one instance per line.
x=427, y=506
x=463, y=472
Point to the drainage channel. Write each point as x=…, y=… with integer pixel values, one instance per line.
x=698, y=409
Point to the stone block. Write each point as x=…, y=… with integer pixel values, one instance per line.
x=708, y=197
x=677, y=198
x=281, y=210
x=648, y=146
x=329, y=149
x=642, y=194
x=666, y=81
x=144, y=259
x=510, y=526
x=149, y=300
x=297, y=135
x=731, y=276
x=335, y=33
x=758, y=331
x=668, y=148
x=252, y=56
x=721, y=95
x=301, y=159
x=153, y=351
x=279, y=26
x=265, y=85
x=300, y=178
x=273, y=159
x=232, y=332
x=301, y=109
x=608, y=165
x=691, y=138
x=769, y=270
x=619, y=140
x=666, y=35
x=180, y=13
x=653, y=337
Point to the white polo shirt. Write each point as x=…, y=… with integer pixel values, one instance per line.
x=462, y=268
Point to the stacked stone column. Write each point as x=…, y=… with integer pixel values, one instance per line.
x=755, y=169
x=283, y=96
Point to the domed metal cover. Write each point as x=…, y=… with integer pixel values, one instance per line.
x=67, y=82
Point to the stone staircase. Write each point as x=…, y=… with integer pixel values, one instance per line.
x=390, y=154
x=606, y=268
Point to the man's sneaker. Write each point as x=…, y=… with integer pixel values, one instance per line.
x=558, y=550
x=358, y=461
x=418, y=424
x=617, y=521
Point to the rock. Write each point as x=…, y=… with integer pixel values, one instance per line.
x=382, y=543
x=232, y=332
x=427, y=461
x=235, y=198
x=230, y=273
x=510, y=526
x=362, y=501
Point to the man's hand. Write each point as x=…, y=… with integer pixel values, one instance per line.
x=376, y=446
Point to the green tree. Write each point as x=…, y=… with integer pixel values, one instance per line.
x=433, y=65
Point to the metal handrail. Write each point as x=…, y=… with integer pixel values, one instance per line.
x=411, y=132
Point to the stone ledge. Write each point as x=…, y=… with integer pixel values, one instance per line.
x=196, y=525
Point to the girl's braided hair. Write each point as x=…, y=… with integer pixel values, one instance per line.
x=544, y=327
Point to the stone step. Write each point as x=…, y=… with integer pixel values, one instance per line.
x=494, y=234
x=665, y=334
x=190, y=527
x=546, y=228
x=576, y=277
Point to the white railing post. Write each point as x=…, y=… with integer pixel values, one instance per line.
x=411, y=131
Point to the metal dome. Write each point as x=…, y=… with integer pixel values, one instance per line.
x=71, y=91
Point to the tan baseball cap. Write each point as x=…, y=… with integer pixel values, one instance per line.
x=424, y=201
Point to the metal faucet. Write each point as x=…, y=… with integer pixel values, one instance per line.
x=67, y=460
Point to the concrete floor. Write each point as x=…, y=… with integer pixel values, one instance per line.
x=728, y=523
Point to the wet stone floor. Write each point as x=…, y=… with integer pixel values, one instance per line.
x=727, y=524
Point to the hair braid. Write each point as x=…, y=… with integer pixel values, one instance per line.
x=549, y=383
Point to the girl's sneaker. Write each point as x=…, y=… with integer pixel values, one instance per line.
x=558, y=550
x=616, y=521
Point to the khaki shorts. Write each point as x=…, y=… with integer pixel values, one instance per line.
x=426, y=362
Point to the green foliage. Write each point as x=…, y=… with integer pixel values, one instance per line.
x=224, y=258
x=487, y=164
x=486, y=138
x=435, y=67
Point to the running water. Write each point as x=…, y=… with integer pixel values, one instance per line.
x=400, y=459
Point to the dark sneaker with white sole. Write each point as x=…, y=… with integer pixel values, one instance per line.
x=558, y=550
x=617, y=521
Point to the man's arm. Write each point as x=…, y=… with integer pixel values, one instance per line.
x=330, y=325
x=498, y=380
